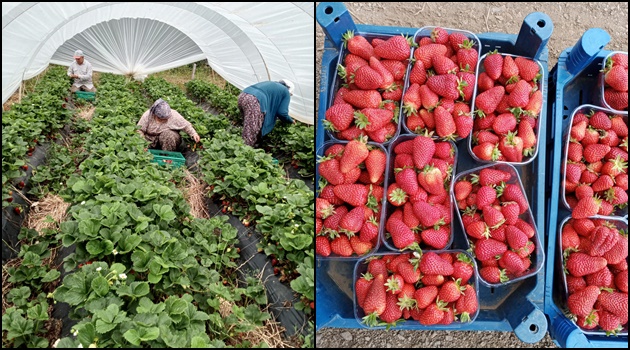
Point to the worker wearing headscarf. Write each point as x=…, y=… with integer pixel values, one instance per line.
x=262, y=104
x=160, y=125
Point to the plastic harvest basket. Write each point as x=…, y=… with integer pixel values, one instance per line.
x=320, y=153
x=333, y=282
x=540, y=120
x=573, y=82
x=426, y=32
x=411, y=324
x=621, y=225
x=89, y=96
x=585, y=109
x=174, y=159
x=391, y=178
x=538, y=256
x=336, y=82
x=602, y=82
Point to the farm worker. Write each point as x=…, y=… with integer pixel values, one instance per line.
x=81, y=71
x=261, y=105
x=160, y=125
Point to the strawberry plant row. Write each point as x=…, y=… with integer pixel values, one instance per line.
x=334, y=285
x=577, y=84
x=225, y=101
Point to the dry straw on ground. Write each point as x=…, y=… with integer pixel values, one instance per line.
x=52, y=205
x=195, y=191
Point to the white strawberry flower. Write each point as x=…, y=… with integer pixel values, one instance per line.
x=80, y=345
x=56, y=343
x=99, y=268
x=122, y=276
x=115, y=252
x=75, y=333
x=93, y=345
x=82, y=202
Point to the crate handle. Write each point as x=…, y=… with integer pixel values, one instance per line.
x=535, y=32
x=335, y=20
x=586, y=49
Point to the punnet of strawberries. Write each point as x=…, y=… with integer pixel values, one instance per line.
x=495, y=215
x=350, y=198
x=595, y=179
x=615, y=81
x=418, y=212
x=372, y=75
x=507, y=107
x=441, y=83
x=435, y=288
x=595, y=261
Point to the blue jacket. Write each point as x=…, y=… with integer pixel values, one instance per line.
x=274, y=101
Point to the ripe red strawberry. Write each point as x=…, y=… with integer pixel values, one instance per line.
x=617, y=78
x=462, y=189
x=616, y=99
x=396, y=196
x=412, y=100
x=466, y=84
x=433, y=264
x=488, y=100
x=430, y=99
x=467, y=304
x=444, y=65
x=418, y=74
x=432, y=180
x=601, y=278
x=527, y=134
x=512, y=192
x=322, y=246
x=408, y=272
x=409, y=218
x=329, y=169
x=375, y=164
x=428, y=214
x=358, y=45
x=510, y=211
x=515, y=237
x=489, y=248
x=486, y=195
x=527, y=68
x=423, y=151
x=446, y=85
x=355, y=153
x=402, y=236
x=620, y=59
x=367, y=78
x=450, y=291
x=352, y=176
x=586, y=207
x=504, y=123
x=603, y=183
x=621, y=281
x=493, y=274
x=462, y=268
x=493, y=64
x=433, y=314
x=511, y=146
x=519, y=97
x=581, y=303
x=328, y=194
x=323, y=208
x=392, y=311
x=351, y=133
x=619, y=251
x=406, y=179
x=603, y=239
x=512, y=263
x=397, y=68
x=610, y=322
x=353, y=194
x=404, y=147
x=437, y=238
x=487, y=151
x=352, y=222
x=478, y=230
x=377, y=267
x=570, y=238
x=361, y=287
x=484, y=82
x=394, y=48
x=510, y=69
x=490, y=176
x=619, y=126
x=426, y=52
x=369, y=230
x=425, y=296
x=467, y=57
x=444, y=123
x=394, y=284
x=363, y=98
x=375, y=301
x=341, y=246
x=580, y=264
x=575, y=284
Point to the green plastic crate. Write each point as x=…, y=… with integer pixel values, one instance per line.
x=89, y=96
x=174, y=159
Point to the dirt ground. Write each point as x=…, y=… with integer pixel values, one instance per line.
x=570, y=21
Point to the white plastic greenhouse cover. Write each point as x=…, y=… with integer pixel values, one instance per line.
x=245, y=43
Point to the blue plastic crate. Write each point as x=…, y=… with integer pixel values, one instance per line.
x=517, y=307
x=573, y=82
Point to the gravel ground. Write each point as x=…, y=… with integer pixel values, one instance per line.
x=570, y=21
